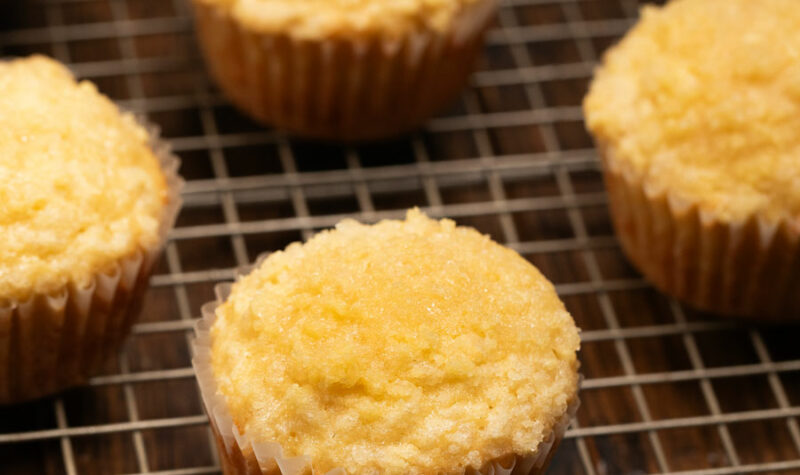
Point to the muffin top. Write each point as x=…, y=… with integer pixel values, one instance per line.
x=314, y=19
x=79, y=185
x=702, y=98
x=405, y=347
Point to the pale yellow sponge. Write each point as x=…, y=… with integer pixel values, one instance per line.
x=702, y=98
x=80, y=187
x=314, y=19
x=405, y=347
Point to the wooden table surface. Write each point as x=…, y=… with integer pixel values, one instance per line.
x=666, y=389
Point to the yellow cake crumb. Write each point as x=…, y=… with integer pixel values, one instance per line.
x=80, y=187
x=344, y=18
x=702, y=98
x=405, y=347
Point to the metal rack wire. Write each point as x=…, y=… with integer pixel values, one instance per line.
x=667, y=390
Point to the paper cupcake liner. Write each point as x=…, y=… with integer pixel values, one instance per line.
x=341, y=89
x=240, y=455
x=53, y=341
x=749, y=268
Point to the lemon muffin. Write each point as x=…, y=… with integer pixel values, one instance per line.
x=87, y=197
x=405, y=347
x=696, y=113
x=341, y=69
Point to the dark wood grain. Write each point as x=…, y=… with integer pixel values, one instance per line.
x=603, y=357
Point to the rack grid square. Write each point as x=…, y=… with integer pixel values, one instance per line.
x=667, y=389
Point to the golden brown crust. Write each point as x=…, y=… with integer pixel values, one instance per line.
x=340, y=89
x=353, y=19
x=51, y=343
x=471, y=353
x=695, y=113
x=58, y=339
x=745, y=269
x=236, y=461
x=80, y=184
x=701, y=98
x=430, y=287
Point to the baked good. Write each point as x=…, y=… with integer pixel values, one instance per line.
x=695, y=113
x=87, y=197
x=404, y=347
x=341, y=69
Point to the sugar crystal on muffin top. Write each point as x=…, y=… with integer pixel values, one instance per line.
x=409, y=346
x=80, y=187
x=702, y=98
x=344, y=18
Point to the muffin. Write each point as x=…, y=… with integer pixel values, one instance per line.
x=696, y=114
x=405, y=347
x=87, y=195
x=341, y=69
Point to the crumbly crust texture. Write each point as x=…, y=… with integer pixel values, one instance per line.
x=321, y=19
x=405, y=347
x=80, y=186
x=701, y=99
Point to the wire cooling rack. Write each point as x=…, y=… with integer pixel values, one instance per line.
x=667, y=390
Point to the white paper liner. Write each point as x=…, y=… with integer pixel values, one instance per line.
x=53, y=341
x=240, y=455
x=748, y=268
x=341, y=89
